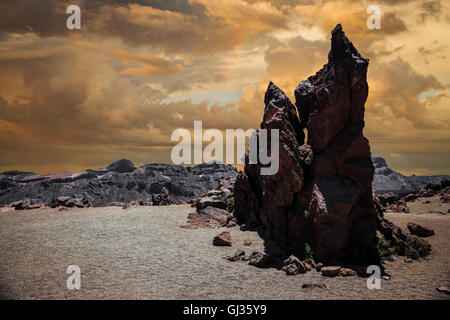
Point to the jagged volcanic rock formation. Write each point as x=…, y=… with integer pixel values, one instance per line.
x=322, y=193
x=119, y=182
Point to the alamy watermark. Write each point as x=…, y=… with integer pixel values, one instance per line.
x=73, y=22
x=374, y=281
x=74, y=280
x=259, y=149
x=374, y=20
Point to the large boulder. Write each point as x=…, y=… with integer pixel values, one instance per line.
x=322, y=193
x=418, y=230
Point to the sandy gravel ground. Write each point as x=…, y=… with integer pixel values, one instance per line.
x=142, y=253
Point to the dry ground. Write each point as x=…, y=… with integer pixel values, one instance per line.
x=142, y=253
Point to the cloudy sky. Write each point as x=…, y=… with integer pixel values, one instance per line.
x=137, y=70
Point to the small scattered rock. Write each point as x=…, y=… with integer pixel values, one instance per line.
x=259, y=259
x=293, y=266
x=127, y=205
x=239, y=255
x=231, y=224
x=391, y=258
x=247, y=243
x=34, y=206
x=62, y=209
x=309, y=264
x=331, y=271
x=209, y=217
x=386, y=277
x=319, y=266
x=210, y=202
x=418, y=230
x=243, y=227
x=223, y=239
x=116, y=204
x=314, y=286
x=408, y=260
x=345, y=272
x=443, y=290
x=161, y=199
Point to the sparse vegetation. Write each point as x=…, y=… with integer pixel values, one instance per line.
x=229, y=202
x=385, y=250
x=309, y=254
x=417, y=247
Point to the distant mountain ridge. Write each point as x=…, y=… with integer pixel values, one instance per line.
x=388, y=180
x=121, y=181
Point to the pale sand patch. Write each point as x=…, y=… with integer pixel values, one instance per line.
x=142, y=253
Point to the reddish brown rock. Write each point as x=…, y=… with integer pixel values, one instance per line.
x=314, y=286
x=162, y=199
x=421, y=231
x=259, y=259
x=239, y=255
x=322, y=193
x=116, y=204
x=443, y=289
x=345, y=272
x=231, y=224
x=223, y=239
x=293, y=266
x=331, y=271
x=209, y=217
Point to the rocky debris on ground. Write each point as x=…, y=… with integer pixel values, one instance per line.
x=223, y=239
x=309, y=264
x=403, y=243
x=212, y=208
x=330, y=271
x=408, y=260
x=162, y=199
x=209, y=217
x=319, y=266
x=259, y=259
x=418, y=230
x=231, y=223
x=115, y=204
x=314, y=286
x=293, y=266
x=346, y=272
x=445, y=290
x=322, y=192
x=26, y=204
x=238, y=256
x=247, y=243
x=392, y=202
x=119, y=182
x=69, y=202
x=216, y=197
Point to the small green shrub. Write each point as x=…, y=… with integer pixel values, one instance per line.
x=385, y=250
x=229, y=202
x=417, y=247
x=309, y=254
